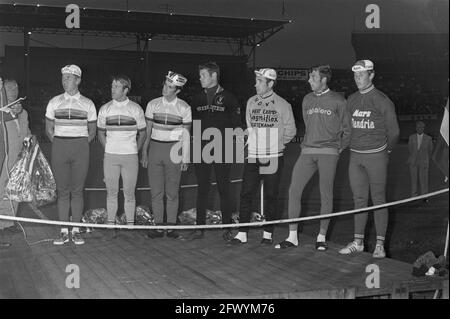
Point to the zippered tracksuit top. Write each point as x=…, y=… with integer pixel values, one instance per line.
x=221, y=112
x=374, y=132
x=271, y=125
x=327, y=133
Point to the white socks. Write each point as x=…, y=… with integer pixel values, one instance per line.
x=293, y=237
x=64, y=230
x=321, y=238
x=242, y=236
x=267, y=235
x=75, y=230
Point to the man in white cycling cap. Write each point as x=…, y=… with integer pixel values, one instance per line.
x=71, y=123
x=270, y=125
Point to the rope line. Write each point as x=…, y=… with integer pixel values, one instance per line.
x=221, y=226
x=90, y=189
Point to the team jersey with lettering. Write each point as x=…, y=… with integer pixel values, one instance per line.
x=71, y=114
x=168, y=118
x=121, y=121
x=327, y=123
x=374, y=122
x=223, y=111
x=270, y=124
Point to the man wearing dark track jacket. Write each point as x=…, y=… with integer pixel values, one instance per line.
x=214, y=107
x=374, y=134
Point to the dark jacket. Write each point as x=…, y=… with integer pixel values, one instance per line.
x=224, y=111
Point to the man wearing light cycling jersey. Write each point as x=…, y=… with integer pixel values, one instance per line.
x=71, y=122
x=121, y=131
x=168, y=123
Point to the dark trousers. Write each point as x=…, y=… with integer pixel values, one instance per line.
x=203, y=173
x=70, y=164
x=253, y=174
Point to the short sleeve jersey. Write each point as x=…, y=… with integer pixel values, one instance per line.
x=71, y=114
x=168, y=118
x=121, y=121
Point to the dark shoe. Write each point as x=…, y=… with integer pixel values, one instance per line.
x=285, y=244
x=426, y=200
x=62, y=239
x=266, y=241
x=77, y=239
x=173, y=234
x=197, y=234
x=153, y=233
x=321, y=246
x=227, y=235
x=235, y=242
x=109, y=234
x=12, y=229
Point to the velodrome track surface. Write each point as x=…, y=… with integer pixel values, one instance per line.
x=414, y=228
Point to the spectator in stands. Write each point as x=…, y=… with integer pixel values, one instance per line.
x=71, y=123
x=214, y=107
x=121, y=131
x=420, y=146
x=169, y=119
x=374, y=134
x=14, y=128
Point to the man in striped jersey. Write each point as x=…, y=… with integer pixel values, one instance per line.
x=121, y=130
x=168, y=124
x=71, y=122
x=374, y=134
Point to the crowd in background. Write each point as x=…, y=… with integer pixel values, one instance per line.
x=410, y=94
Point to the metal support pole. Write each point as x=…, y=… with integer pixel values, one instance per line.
x=146, y=63
x=254, y=52
x=262, y=199
x=26, y=56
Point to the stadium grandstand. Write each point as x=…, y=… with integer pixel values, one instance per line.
x=413, y=66
x=240, y=36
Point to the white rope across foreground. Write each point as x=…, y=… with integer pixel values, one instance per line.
x=93, y=189
x=215, y=226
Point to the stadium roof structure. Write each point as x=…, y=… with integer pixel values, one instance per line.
x=242, y=35
x=147, y=25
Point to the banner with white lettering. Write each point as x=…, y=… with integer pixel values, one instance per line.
x=292, y=74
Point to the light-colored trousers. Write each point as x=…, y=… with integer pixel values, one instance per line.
x=114, y=166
